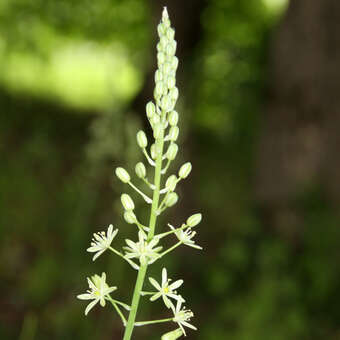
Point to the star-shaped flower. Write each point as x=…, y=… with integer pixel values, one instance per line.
x=98, y=290
x=185, y=236
x=182, y=316
x=101, y=242
x=143, y=250
x=165, y=290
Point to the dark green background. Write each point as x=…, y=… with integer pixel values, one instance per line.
x=74, y=80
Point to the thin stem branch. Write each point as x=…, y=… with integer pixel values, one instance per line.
x=114, y=304
x=171, y=248
x=143, y=323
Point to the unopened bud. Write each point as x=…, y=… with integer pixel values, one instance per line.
x=171, y=82
x=153, y=151
x=150, y=109
x=161, y=29
x=171, y=183
x=174, y=62
x=140, y=170
x=170, y=50
x=172, y=152
x=173, y=118
x=164, y=41
x=158, y=131
x=166, y=69
x=155, y=120
x=174, y=93
x=129, y=217
x=170, y=33
x=173, y=335
x=123, y=175
x=166, y=103
x=185, y=170
x=171, y=199
x=160, y=58
x=193, y=220
x=127, y=202
x=158, y=76
x=159, y=88
x=141, y=139
x=173, y=133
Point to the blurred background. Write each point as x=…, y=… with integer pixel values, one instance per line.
x=259, y=85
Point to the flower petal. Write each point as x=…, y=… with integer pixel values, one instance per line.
x=90, y=306
x=155, y=283
x=176, y=284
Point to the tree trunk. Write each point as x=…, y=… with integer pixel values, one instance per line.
x=300, y=137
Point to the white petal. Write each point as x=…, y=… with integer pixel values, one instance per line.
x=164, y=277
x=85, y=296
x=156, y=296
x=90, y=306
x=109, y=230
x=187, y=324
x=131, y=244
x=155, y=283
x=176, y=284
x=94, y=249
x=194, y=246
x=98, y=254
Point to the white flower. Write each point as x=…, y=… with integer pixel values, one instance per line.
x=101, y=242
x=143, y=250
x=185, y=236
x=182, y=315
x=97, y=292
x=165, y=290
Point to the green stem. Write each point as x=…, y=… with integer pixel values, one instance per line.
x=143, y=323
x=114, y=304
x=171, y=248
x=152, y=223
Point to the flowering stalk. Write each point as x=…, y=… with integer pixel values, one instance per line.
x=144, y=252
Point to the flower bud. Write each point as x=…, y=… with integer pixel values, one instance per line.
x=185, y=170
x=130, y=217
x=158, y=76
x=173, y=118
x=174, y=93
x=193, y=220
x=171, y=199
x=153, y=151
x=123, y=175
x=140, y=170
x=159, y=89
x=172, y=152
x=170, y=50
x=155, y=120
x=173, y=335
x=171, y=82
x=161, y=30
x=160, y=58
x=127, y=202
x=170, y=33
x=173, y=133
x=141, y=139
x=174, y=63
x=171, y=183
x=158, y=131
x=166, y=103
x=150, y=109
x=166, y=69
x=163, y=41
